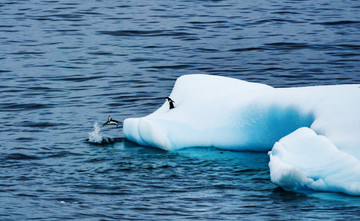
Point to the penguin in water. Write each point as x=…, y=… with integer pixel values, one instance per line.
x=171, y=102
x=111, y=122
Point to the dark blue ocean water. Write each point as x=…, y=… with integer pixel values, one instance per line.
x=65, y=65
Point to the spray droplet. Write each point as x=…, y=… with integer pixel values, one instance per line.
x=95, y=136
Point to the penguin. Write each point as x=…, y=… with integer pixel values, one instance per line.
x=111, y=122
x=171, y=102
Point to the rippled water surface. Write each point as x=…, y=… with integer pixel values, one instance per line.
x=65, y=65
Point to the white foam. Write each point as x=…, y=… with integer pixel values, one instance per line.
x=95, y=136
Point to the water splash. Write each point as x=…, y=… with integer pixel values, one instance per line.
x=95, y=136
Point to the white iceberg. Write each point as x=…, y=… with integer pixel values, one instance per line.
x=231, y=114
x=304, y=159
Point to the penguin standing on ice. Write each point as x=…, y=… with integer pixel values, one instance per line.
x=171, y=102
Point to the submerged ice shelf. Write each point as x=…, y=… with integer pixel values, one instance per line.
x=231, y=114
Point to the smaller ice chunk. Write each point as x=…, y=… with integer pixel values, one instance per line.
x=305, y=160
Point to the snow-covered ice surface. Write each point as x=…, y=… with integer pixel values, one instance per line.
x=231, y=114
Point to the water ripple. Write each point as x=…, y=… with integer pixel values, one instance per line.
x=143, y=33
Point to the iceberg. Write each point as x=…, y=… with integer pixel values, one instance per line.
x=305, y=160
x=231, y=114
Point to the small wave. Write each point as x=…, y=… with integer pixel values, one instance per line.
x=23, y=107
x=145, y=33
x=61, y=154
x=106, y=141
x=20, y=156
x=274, y=20
x=77, y=78
x=180, y=66
x=246, y=49
x=39, y=124
x=338, y=22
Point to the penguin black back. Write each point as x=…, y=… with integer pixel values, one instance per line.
x=171, y=102
x=111, y=122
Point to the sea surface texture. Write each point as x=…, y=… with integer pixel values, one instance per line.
x=66, y=65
